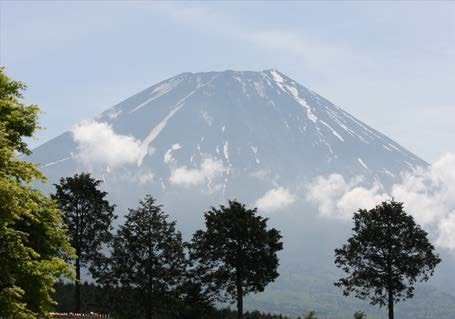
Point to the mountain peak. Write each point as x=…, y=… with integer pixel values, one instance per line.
x=233, y=72
x=197, y=139
x=227, y=124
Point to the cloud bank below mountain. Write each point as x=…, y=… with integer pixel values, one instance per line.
x=428, y=194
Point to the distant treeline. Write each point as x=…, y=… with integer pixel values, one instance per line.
x=121, y=304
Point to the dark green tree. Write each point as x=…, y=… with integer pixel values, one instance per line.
x=360, y=315
x=195, y=301
x=148, y=257
x=387, y=254
x=236, y=253
x=310, y=315
x=196, y=297
x=89, y=217
x=34, y=245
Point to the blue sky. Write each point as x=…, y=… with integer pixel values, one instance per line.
x=391, y=64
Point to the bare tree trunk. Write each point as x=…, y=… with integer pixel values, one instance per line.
x=148, y=310
x=148, y=298
x=239, y=300
x=77, y=286
x=390, y=303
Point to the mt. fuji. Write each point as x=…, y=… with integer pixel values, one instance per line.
x=209, y=129
x=198, y=139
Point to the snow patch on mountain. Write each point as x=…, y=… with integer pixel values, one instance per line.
x=302, y=102
x=255, y=152
x=333, y=131
x=57, y=162
x=278, y=79
x=154, y=133
x=207, y=117
x=362, y=163
x=168, y=155
x=226, y=150
x=159, y=91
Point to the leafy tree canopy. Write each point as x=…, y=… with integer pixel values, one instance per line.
x=33, y=240
x=236, y=253
x=89, y=217
x=387, y=254
x=148, y=256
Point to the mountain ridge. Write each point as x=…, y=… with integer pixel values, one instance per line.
x=197, y=139
x=325, y=130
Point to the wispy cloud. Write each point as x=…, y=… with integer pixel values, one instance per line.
x=315, y=53
x=208, y=170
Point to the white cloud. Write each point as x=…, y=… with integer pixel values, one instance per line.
x=99, y=144
x=337, y=198
x=428, y=194
x=145, y=178
x=209, y=169
x=361, y=197
x=275, y=199
x=446, y=228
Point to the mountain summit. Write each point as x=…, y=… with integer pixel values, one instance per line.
x=197, y=139
x=232, y=123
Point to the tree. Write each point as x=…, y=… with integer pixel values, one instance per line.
x=89, y=218
x=148, y=256
x=236, y=253
x=311, y=315
x=33, y=240
x=387, y=254
x=194, y=299
x=197, y=298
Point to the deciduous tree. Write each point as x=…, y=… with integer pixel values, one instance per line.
x=236, y=253
x=33, y=240
x=387, y=254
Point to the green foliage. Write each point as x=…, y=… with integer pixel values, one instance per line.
x=387, y=254
x=148, y=256
x=117, y=302
x=359, y=315
x=89, y=218
x=33, y=240
x=194, y=295
x=236, y=254
x=310, y=315
x=87, y=213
